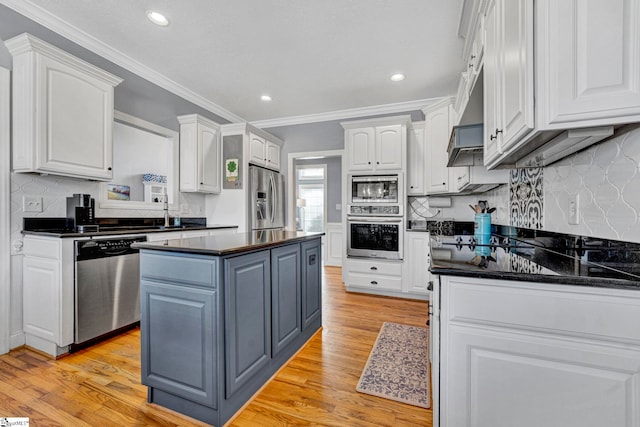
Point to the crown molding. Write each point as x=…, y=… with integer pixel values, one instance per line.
x=400, y=107
x=63, y=28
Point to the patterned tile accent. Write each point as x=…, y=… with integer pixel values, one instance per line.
x=526, y=198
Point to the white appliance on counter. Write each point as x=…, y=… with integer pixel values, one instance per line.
x=266, y=199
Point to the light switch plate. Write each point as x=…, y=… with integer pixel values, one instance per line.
x=32, y=204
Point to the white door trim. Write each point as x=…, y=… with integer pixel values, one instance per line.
x=291, y=180
x=5, y=231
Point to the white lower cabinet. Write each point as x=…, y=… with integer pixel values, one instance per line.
x=534, y=354
x=374, y=275
x=48, y=293
x=417, y=275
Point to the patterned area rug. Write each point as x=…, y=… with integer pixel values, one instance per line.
x=398, y=365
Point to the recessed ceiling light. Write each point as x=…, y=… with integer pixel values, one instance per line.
x=398, y=77
x=157, y=18
x=265, y=98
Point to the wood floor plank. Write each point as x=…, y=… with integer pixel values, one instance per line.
x=100, y=385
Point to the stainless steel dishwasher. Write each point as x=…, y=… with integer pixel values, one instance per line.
x=107, y=287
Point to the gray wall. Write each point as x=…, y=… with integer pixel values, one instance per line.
x=323, y=136
x=334, y=184
x=135, y=95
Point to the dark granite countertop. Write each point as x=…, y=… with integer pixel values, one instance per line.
x=59, y=227
x=229, y=244
x=538, y=256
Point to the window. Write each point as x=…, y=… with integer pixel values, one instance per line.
x=310, y=197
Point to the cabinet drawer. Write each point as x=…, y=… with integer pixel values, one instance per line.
x=179, y=269
x=374, y=281
x=375, y=267
x=559, y=309
x=42, y=248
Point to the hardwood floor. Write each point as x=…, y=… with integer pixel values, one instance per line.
x=100, y=386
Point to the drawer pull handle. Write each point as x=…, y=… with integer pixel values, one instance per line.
x=373, y=282
x=430, y=286
x=374, y=268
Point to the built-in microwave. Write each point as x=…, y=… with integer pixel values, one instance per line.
x=375, y=237
x=375, y=194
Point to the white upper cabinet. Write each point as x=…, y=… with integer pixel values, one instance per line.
x=360, y=144
x=417, y=159
x=583, y=72
x=508, y=75
x=200, y=155
x=588, y=62
x=437, y=129
x=263, y=152
x=62, y=112
x=376, y=144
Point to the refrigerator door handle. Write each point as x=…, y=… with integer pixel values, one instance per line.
x=274, y=201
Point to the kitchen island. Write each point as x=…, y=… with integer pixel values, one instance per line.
x=221, y=314
x=536, y=328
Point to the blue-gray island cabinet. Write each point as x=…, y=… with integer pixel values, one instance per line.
x=221, y=314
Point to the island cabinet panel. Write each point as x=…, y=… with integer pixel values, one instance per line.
x=247, y=281
x=178, y=337
x=215, y=327
x=311, y=284
x=285, y=296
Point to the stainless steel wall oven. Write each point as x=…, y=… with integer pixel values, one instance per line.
x=375, y=237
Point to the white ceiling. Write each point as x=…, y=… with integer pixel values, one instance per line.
x=312, y=57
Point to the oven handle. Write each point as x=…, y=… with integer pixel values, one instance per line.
x=373, y=219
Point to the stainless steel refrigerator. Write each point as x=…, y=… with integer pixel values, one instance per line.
x=266, y=199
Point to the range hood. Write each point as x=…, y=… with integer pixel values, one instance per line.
x=465, y=144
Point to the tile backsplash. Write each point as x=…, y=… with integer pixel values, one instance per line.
x=54, y=192
x=605, y=180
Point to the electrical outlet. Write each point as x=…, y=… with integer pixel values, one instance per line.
x=574, y=210
x=32, y=204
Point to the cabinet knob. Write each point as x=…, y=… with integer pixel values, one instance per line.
x=373, y=282
x=492, y=137
x=202, y=183
x=430, y=285
x=109, y=168
x=444, y=183
x=369, y=162
x=378, y=162
x=374, y=268
x=411, y=186
x=498, y=131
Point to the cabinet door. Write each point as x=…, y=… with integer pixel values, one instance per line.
x=588, y=62
x=360, y=145
x=416, y=162
x=437, y=127
x=502, y=378
x=285, y=296
x=417, y=254
x=41, y=295
x=257, y=150
x=75, y=122
x=209, y=154
x=390, y=150
x=311, y=283
x=516, y=71
x=247, y=303
x=273, y=156
x=491, y=104
x=178, y=336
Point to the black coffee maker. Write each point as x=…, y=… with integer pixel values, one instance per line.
x=80, y=210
